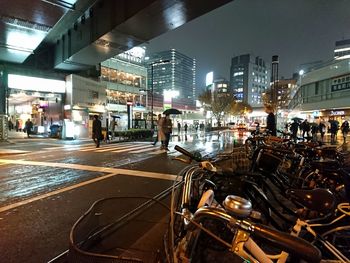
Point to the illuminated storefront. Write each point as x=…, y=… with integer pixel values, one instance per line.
x=37, y=99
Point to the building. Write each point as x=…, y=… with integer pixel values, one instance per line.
x=324, y=93
x=125, y=77
x=285, y=87
x=174, y=72
x=249, y=78
x=342, y=49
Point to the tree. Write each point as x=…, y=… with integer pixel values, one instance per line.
x=240, y=108
x=218, y=103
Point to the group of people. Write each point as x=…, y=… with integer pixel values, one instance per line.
x=164, y=127
x=28, y=126
x=306, y=129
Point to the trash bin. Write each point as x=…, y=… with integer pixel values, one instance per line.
x=55, y=131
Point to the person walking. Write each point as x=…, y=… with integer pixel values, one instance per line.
x=305, y=128
x=334, y=130
x=112, y=127
x=345, y=130
x=96, y=131
x=28, y=126
x=178, y=127
x=159, y=129
x=271, y=122
x=322, y=129
x=314, y=131
x=186, y=127
x=167, y=129
x=294, y=129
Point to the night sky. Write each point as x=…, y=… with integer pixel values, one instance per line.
x=299, y=31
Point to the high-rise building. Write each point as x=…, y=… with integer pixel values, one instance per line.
x=171, y=70
x=249, y=78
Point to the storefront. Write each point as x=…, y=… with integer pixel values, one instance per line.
x=339, y=115
x=37, y=99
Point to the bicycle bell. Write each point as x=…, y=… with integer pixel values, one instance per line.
x=237, y=206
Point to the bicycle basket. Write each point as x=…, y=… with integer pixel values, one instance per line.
x=119, y=230
x=267, y=162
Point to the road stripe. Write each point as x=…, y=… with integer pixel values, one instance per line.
x=110, y=172
x=104, y=149
x=129, y=149
x=107, y=147
x=148, y=148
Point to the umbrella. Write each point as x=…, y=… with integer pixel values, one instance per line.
x=172, y=111
x=297, y=119
x=115, y=116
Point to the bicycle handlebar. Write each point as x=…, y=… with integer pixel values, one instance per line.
x=187, y=153
x=291, y=244
x=284, y=241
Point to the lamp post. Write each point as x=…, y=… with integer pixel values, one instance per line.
x=152, y=65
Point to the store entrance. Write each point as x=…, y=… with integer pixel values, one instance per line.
x=43, y=109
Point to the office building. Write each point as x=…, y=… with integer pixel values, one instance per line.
x=174, y=72
x=249, y=78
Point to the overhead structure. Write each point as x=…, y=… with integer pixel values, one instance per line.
x=77, y=35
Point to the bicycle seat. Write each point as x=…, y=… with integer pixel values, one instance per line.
x=319, y=199
x=327, y=164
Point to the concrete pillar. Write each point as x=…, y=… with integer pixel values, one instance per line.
x=3, y=103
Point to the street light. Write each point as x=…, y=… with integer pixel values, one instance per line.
x=161, y=62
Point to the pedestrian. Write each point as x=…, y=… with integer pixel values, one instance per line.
x=167, y=129
x=186, y=127
x=271, y=122
x=294, y=129
x=345, y=129
x=112, y=127
x=28, y=127
x=305, y=129
x=17, y=125
x=322, y=129
x=314, y=130
x=178, y=127
x=96, y=131
x=159, y=129
x=334, y=130
x=10, y=125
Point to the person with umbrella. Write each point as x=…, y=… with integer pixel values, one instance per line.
x=167, y=126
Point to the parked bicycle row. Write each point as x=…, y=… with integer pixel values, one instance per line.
x=273, y=200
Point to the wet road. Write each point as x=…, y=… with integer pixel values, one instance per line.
x=47, y=187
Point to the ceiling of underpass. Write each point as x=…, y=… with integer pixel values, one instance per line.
x=78, y=34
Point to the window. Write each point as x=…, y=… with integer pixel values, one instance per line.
x=316, y=88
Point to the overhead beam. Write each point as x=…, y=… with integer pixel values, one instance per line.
x=110, y=27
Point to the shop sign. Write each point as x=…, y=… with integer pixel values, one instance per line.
x=337, y=112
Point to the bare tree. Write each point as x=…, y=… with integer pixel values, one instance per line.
x=218, y=103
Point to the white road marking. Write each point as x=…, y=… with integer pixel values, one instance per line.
x=148, y=148
x=110, y=172
x=129, y=149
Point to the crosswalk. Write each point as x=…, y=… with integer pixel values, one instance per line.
x=125, y=147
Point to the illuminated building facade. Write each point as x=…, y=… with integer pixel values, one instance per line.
x=249, y=78
x=173, y=71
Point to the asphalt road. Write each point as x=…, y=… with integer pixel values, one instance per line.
x=47, y=184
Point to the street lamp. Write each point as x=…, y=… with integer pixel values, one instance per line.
x=161, y=62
